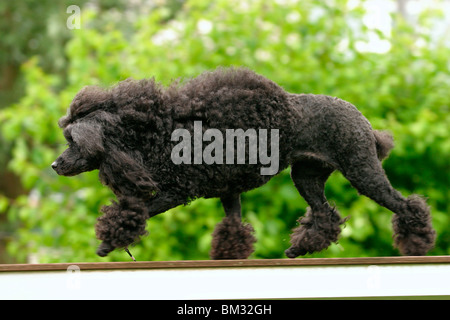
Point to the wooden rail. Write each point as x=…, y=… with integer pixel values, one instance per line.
x=227, y=263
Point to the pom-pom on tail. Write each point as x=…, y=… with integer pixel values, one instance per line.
x=384, y=143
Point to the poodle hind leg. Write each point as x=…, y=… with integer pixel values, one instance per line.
x=321, y=224
x=413, y=232
x=232, y=239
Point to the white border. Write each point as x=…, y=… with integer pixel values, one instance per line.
x=230, y=283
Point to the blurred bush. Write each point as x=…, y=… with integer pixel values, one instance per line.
x=309, y=46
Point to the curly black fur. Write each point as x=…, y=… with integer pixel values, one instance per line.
x=413, y=233
x=317, y=230
x=125, y=133
x=232, y=239
x=121, y=224
x=384, y=143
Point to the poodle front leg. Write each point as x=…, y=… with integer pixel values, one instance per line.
x=121, y=225
x=231, y=238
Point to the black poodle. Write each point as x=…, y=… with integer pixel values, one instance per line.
x=132, y=134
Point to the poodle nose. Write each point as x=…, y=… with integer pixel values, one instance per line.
x=54, y=164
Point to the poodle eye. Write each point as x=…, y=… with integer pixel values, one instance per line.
x=69, y=140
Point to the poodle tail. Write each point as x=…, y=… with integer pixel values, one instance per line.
x=384, y=143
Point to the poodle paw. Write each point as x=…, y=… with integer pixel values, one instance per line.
x=316, y=232
x=232, y=239
x=294, y=252
x=413, y=233
x=104, y=248
x=415, y=244
x=305, y=240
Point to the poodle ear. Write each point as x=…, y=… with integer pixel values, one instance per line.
x=89, y=137
x=87, y=100
x=125, y=175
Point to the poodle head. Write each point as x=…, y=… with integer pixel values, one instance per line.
x=85, y=149
x=96, y=129
x=82, y=129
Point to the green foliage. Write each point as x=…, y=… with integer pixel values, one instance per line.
x=309, y=46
